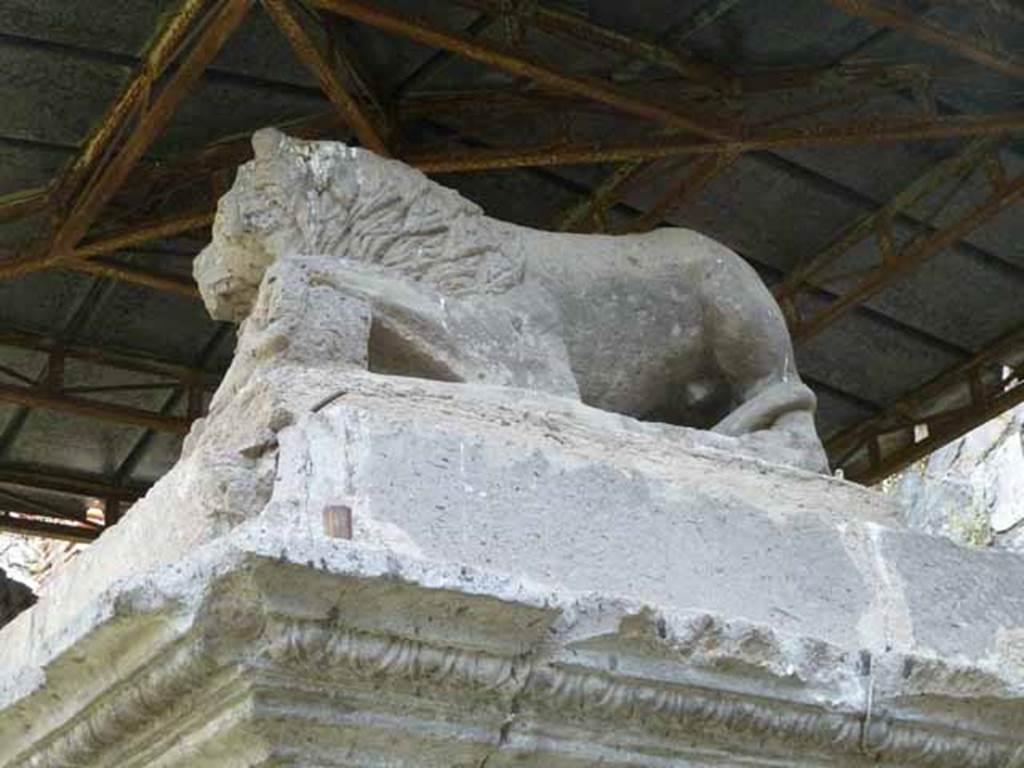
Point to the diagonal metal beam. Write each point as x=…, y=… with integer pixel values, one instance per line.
x=927, y=31
x=72, y=483
x=24, y=203
x=158, y=281
x=224, y=154
x=601, y=197
x=705, y=15
x=440, y=60
x=612, y=186
x=137, y=362
x=103, y=140
x=169, y=71
x=918, y=250
x=698, y=175
x=16, y=375
x=48, y=529
x=144, y=231
x=343, y=52
x=291, y=20
x=694, y=178
x=843, y=75
x=519, y=65
x=40, y=397
x=17, y=502
x=155, y=113
x=577, y=29
x=941, y=410
x=878, y=222
x=675, y=37
x=84, y=259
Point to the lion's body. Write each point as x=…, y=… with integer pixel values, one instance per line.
x=668, y=325
x=632, y=314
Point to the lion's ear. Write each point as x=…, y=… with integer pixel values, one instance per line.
x=267, y=142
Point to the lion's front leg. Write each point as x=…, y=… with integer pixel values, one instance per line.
x=416, y=331
x=300, y=319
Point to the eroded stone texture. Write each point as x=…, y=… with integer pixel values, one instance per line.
x=529, y=581
x=669, y=325
x=348, y=568
x=291, y=649
x=971, y=490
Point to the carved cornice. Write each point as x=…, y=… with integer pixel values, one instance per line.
x=186, y=684
x=731, y=718
x=161, y=689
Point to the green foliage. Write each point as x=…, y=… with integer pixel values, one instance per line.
x=972, y=528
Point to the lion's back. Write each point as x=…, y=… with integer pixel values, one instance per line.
x=676, y=256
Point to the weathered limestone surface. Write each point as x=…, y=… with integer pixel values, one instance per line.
x=355, y=569
x=971, y=490
x=529, y=581
x=668, y=324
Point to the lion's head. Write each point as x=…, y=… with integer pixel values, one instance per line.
x=325, y=198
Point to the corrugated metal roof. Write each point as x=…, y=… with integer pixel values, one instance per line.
x=63, y=64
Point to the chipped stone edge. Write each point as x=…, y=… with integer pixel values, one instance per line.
x=831, y=717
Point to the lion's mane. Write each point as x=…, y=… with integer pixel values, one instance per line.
x=331, y=199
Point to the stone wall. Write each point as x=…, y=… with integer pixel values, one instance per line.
x=972, y=490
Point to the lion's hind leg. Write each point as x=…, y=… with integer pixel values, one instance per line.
x=777, y=420
x=764, y=410
x=750, y=345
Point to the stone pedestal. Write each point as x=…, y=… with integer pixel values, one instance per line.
x=434, y=574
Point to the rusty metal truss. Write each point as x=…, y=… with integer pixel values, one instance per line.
x=52, y=392
x=111, y=197
x=895, y=259
x=950, y=405
x=975, y=49
x=44, y=526
x=170, y=68
x=334, y=71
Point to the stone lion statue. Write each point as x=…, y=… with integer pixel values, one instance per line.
x=668, y=326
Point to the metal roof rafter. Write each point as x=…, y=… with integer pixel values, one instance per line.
x=895, y=263
x=927, y=31
x=170, y=68
x=317, y=50
x=943, y=409
x=520, y=65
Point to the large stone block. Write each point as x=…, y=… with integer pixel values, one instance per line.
x=353, y=569
x=436, y=574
